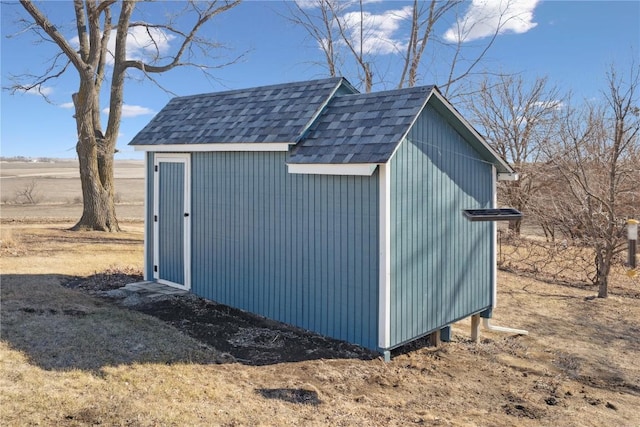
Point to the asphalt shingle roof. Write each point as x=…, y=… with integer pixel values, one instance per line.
x=327, y=120
x=361, y=128
x=278, y=113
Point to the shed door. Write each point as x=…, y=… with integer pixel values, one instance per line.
x=172, y=206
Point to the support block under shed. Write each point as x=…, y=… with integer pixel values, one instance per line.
x=475, y=328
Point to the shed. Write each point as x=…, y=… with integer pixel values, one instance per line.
x=321, y=207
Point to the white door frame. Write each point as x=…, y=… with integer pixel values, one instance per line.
x=185, y=159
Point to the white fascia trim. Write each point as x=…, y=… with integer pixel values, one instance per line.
x=362, y=169
x=190, y=148
x=384, y=308
x=471, y=129
x=508, y=177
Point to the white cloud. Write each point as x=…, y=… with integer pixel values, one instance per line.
x=307, y=4
x=66, y=105
x=142, y=43
x=340, y=4
x=484, y=17
x=39, y=90
x=541, y=106
x=555, y=105
x=379, y=30
x=132, y=111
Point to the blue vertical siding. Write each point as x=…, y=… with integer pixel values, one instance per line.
x=301, y=249
x=440, y=262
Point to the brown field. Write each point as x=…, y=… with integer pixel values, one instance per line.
x=57, y=189
x=71, y=357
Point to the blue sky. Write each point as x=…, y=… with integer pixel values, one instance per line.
x=571, y=42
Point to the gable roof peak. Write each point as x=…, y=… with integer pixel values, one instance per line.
x=361, y=128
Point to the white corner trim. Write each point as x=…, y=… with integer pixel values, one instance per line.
x=187, y=223
x=190, y=148
x=363, y=169
x=145, y=247
x=508, y=176
x=494, y=237
x=384, y=309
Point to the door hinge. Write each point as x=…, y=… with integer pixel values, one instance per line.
x=155, y=268
x=155, y=168
x=155, y=218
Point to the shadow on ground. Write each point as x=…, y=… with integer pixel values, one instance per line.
x=63, y=322
x=58, y=328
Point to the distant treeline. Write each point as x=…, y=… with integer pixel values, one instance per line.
x=31, y=159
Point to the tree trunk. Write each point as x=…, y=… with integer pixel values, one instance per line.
x=98, y=210
x=95, y=156
x=89, y=58
x=603, y=285
x=603, y=265
x=515, y=226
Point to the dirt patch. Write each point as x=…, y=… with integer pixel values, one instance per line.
x=520, y=408
x=110, y=279
x=291, y=395
x=250, y=339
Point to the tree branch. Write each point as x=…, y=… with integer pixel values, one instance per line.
x=55, y=35
x=81, y=25
x=176, y=60
x=118, y=76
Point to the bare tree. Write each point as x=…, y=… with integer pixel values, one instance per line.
x=518, y=120
x=29, y=194
x=421, y=32
x=595, y=162
x=92, y=58
x=345, y=29
x=334, y=30
x=319, y=27
x=461, y=67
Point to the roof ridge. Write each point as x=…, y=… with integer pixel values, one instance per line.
x=387, y=92
x=256, y=88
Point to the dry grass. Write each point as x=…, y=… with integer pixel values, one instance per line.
x=7, y=241
x=67, y=358
x=560, y=263
x=51, y=247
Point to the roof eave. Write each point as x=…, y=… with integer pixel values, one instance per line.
x=210, y=147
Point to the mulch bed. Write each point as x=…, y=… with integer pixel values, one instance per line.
x=246, y=337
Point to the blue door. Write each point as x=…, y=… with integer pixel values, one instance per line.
x=172, y=220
